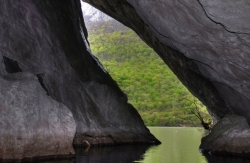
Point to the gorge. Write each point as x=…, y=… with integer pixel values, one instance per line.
x=55, y=93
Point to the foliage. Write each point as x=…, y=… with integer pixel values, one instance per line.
x=152, y=88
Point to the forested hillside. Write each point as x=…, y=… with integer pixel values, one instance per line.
x=152, y=88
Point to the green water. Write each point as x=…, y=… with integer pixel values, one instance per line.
x=178, y=145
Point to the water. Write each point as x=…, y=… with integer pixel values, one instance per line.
x=179, y=145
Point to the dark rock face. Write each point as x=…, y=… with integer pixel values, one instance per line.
x=205, y=43
x=52, y=88
x=32, y=123
x=229, y=136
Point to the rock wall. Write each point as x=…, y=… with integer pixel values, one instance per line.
x=205, y=43
x=32, y=123
x=53, y=89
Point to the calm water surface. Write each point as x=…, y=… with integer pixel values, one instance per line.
x=179, y=145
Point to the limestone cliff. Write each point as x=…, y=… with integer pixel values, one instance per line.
x=54, y=92
x=205, y=43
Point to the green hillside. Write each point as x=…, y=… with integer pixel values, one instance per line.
x=152, y=88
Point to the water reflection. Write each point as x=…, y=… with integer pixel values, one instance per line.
x=224, y=159
x=178, y=145
x=181, y=145
x=56, y=160
x=111, y=154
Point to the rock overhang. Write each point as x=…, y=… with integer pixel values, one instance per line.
x=205, y=43
x=213, y=41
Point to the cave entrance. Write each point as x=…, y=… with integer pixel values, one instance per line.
x=151, y=87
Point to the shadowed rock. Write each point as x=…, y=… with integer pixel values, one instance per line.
x=48, y=75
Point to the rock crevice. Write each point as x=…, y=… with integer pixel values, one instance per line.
x=214, y=21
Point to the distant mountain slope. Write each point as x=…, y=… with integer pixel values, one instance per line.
x=152, y=88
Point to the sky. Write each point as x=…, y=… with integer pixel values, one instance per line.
x=86, y=8
x=91, y=12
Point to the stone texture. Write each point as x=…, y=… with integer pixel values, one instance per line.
x=229, y=136
x=46, y=39
x=110, y=119
x=32, y=124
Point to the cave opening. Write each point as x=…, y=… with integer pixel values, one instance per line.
x=151, y=87
x=11, y=66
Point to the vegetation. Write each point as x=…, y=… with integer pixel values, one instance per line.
x=152, y=88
